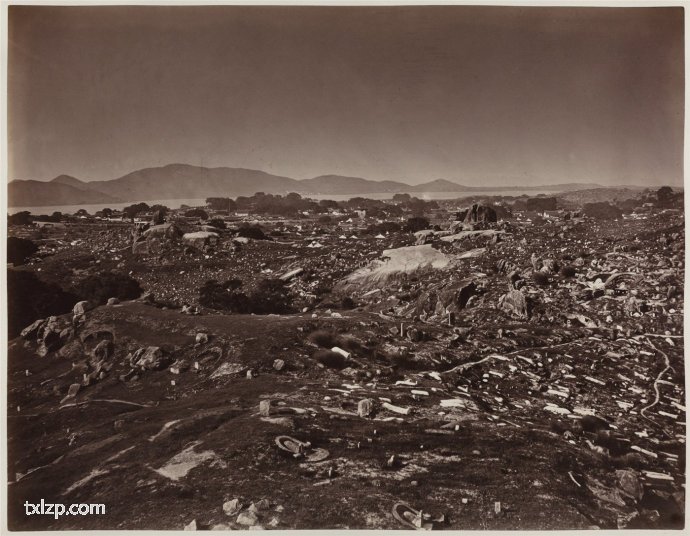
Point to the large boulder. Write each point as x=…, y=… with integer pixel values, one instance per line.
x=479, y=213
x=515, y=304
x=51, y=341
x=455, y=296
x=462, y=235
x=31, y=332
x=80, y=308
x=424, y=237
x=200, y=239
x=440, y=298
x=140, y=246
x=72, y=350
x=459, y=225
x=395, y=263
x=165, y=230
x=103, y=350
x=151, y=358
x=150, y=241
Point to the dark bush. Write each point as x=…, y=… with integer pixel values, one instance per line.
x=20, y=218
x=221, y=203
x=568, y=271
x=326, y=339
x=162, y=208
x=98, y=288
x=347, y=303
x=416, y=224
x=55, y=217
x=350, y=344
x=133, y=210
x=540, y=279
x=270, y=297
x=328, y=203
x=218, y=223
x=29, y=298
x=330, y=359
x=224, y=296
x=196, y=213
x=252, y=231
x=322, y=289
x=105, y=213
x=19, y=250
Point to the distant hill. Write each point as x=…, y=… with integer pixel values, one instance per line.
x=71, y=181
x=341, y=185
x=182, y=181
x=39, y=194
x=439, y=185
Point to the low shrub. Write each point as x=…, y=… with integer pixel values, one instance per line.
x=568, y=271
x=252, y=231
x=223, y=296
x=197, y=213
x=326, y=339
x=540, y=279
x=218, y=223
x=330, y=359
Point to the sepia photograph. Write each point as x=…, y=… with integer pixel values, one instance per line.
x=344, y=267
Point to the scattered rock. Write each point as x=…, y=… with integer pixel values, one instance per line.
x=232, y=507
x=247, y=518
x=515, y=304
x=365, y=407
x=265, y=408
x=71, y=392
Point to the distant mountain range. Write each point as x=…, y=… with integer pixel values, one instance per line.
x=181, y=181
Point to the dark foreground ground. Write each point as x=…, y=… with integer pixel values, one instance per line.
x=572, y=418
x=513, y=451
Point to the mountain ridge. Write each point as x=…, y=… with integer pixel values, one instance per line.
x=185, y=181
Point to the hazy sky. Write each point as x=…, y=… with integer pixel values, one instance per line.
x=478, y=95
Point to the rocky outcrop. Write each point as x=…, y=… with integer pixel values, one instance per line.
x=478, y=213
x=515, y=304
x=200, y=239
x=396, y=262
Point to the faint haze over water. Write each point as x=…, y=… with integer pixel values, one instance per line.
x=473, y=94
